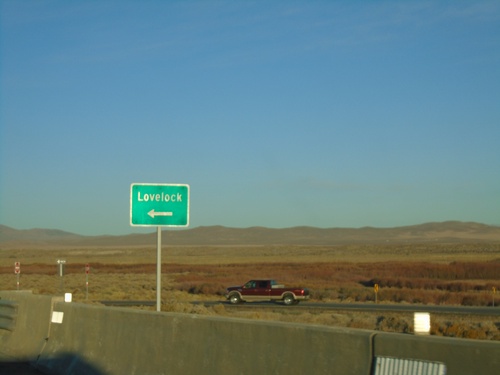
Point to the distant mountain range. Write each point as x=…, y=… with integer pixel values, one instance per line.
x=442, y=232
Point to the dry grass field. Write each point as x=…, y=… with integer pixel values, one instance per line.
x=458, y=273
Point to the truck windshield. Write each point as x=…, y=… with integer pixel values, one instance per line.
x=250, y=284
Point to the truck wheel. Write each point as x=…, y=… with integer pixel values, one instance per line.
x=234, y=298
x=288, y=299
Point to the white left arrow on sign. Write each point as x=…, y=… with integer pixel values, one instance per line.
x=153, y=213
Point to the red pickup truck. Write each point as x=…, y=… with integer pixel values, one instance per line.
x=266, y=290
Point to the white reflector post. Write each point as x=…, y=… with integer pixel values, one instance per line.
x=68, y=297
x=422, y=323
x=57, y=317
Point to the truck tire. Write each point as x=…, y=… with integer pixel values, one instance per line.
x=288, y=299
x=234, y=298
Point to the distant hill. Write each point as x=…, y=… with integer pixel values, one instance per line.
x=442, y=232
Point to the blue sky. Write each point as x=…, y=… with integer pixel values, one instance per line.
x=276, y=113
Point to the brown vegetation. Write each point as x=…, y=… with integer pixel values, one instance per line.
x=454, y=274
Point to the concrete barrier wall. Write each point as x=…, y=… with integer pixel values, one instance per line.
x=95, y=340
x=30, y=327
x=121, y=341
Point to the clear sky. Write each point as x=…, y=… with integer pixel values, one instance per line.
x=276, y=113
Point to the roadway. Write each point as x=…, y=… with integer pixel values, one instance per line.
x=368, y=307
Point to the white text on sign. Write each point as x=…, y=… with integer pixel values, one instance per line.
x=159, y=197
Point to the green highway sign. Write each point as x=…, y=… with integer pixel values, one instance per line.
x=154, y=205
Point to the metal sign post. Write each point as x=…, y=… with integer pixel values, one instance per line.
x=17, y=271
x=61, y=263
x=159, y=205
x=87, y=270
x=158, y=269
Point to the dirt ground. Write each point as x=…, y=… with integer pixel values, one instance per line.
x=407, y=273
